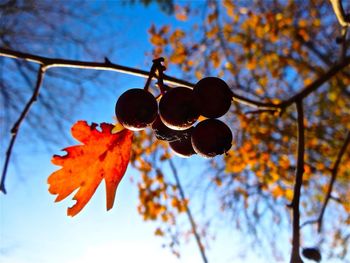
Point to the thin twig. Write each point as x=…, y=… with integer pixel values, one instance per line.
x=295, y=257
x=333, y=178
x=188, y=211
x=313, y=86
x=344, y=46
x=16, y=126
x=334, y=171
x=260, y=111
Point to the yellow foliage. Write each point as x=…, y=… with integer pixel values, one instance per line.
x=159, y=232
x=176, y=35
x=212, y=17
x=251, y=64
x=215, y=59
x=271, y=54
x=230, y=7
x=181, y=13
x=179, y=55
x=277, y=191
x=158, y=40
x=213, y=32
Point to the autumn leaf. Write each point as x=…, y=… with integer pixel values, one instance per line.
x=181, y=13
x=103, y=155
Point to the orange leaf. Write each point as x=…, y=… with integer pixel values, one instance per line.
x=103, y=155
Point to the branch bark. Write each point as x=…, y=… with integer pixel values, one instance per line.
x=47, y=63
x=295, y=257
x=16, y=126
x=333, y=178
x=334, y=173
x=188, y=212
x=107, y=65
x=339, y=12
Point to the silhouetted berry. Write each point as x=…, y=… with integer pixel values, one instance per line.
x=183, y=147
x=164, y=133
x=339, y=40
x=178, y=108
x=312, y=253
x=136, y=109
x=211, y=137
x=214, y=97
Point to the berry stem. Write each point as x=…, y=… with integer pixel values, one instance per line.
x=156, y=66
x=160, y=83
x=150, y=76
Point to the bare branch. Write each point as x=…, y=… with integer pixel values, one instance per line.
x=344, y=45
x=16, y=126
x=47, y=63
x=188, y=211
x=307, y=90
x=334, y=171
x=295, y=257
x=333, y=178
x=65, y=63
x=107, y=65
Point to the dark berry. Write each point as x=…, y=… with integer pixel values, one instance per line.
x=164, y=133
x=339, y=40
x=178, y=108
x=136, y=109
x=214, y=97
x=312, y=253
x=183, y=146
x=211, y=137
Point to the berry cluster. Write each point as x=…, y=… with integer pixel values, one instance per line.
x=179, y=108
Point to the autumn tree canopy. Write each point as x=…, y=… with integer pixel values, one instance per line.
x=269, y=52
x=287, y=64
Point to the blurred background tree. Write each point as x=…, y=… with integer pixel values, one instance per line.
x=267, y=51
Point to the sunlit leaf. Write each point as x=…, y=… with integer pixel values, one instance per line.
x=102, y=155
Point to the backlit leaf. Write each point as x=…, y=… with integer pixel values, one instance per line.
x=102, y=155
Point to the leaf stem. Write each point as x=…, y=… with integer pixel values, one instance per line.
x=150, y=76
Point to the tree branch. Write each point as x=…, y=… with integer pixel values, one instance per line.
x=307, y=90
x=16, y=126
x=339, y=12
x=333, y=178
x=295, y=257
x=107, y=65
x=334, y=171
x=47, y=63
x=188, y=211
x=66, y=63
